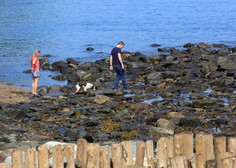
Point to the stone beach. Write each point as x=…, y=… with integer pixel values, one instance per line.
x=192, y=89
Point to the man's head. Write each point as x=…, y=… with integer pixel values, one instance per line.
x=121, y=44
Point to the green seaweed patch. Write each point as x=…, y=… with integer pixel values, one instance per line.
x=110, y=126
x=129, y=135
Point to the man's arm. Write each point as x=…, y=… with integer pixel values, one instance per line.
x=111, y=66
x=120, y=59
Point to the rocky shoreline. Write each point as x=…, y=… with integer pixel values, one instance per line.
x=192, y=89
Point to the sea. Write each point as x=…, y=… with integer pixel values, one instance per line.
x=65, y=29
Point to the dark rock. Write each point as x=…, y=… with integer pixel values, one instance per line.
x=68, y=89
x=43, y=90
x=204, y=45
x=155, y=45
x=225, y=63
x=78, y=133
x=195, y=51
x=161, y=49
x=54, y=88
x=153, y=78
x=138, y=54
x=89, y=49
x=16, y=113
x=143, y=59
x=188, y=45
x=189, y=122
x=59, y=65
x=209, y=67
x=214, y=75
x=27, y=71
x=224, y=51
x=219, y=46
x=72, y=77
x=72, y=61
x=220, y=121
x=59, y=77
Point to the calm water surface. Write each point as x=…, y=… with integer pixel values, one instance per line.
x=66, y=28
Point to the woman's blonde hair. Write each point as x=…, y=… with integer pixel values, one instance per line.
x=36, y=53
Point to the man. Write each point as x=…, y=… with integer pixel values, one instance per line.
x=117, y=64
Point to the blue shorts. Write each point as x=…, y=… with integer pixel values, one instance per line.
x=35, y=73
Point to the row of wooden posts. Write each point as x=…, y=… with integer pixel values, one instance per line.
x=185, y=150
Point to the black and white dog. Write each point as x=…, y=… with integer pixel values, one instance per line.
x=86, y=87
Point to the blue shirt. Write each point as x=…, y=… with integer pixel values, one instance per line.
x=114, y=53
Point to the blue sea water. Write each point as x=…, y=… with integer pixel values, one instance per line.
x=66, y=28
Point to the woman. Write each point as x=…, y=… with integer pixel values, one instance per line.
x=35, y=66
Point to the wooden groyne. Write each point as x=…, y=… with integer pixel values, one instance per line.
x=185, y=150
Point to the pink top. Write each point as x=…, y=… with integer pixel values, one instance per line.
x=35, y=65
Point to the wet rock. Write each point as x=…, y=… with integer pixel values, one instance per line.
x=138, y=107
x=155, y=45
x=203, y=103
x=43, y=90
x=175, y=115
x=72, y=61
x=164, y=123
x=219, y=45
x=75, y=134
x=68, y=89
x=224, y=51
x=209, y=67
x=89, y=48
x=100, y=99
x=72, y=77
x=161, y=49
x=16, y=113
x=204, y=45
x=195, y=51
x=188, y=45
x=59, y=77
x=225, y=63
x=54, y=88
x=153, y=78
x=161, y=130
x=59, y=65
x=126, y=55
x=190, y=122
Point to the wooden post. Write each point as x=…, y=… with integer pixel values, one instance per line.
x=178, y=162
x=57, y=157
x=127, y=154
x=69, y=154
x=5, y=165
x=165, y=150
x=43, y=157
x=17, y=159
x=30, y=158
x=105, y=161
x=140, y=153
x=232, y=146
x=204, y=149
x=82, y=152
x=220, y=149
x=211, y=164
x=229, y=162
x=93, y=155
x=184, y=145
x=150, y=154
x=116, y=150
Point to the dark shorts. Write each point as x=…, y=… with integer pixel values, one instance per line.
x=35, y=73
